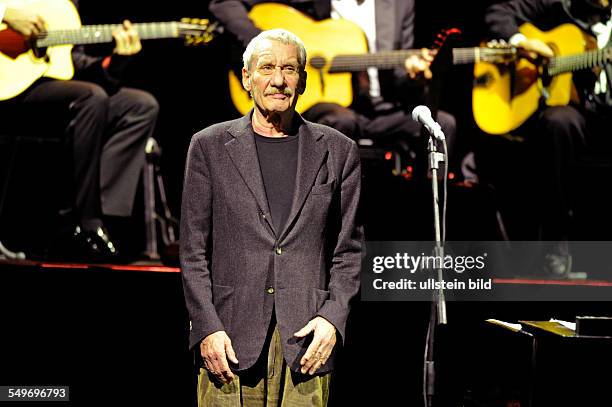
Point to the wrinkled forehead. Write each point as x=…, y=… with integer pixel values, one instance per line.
x=268, y=50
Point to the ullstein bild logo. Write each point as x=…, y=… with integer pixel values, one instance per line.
x=404, y=261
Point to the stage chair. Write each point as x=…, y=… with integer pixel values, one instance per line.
x=157, y=215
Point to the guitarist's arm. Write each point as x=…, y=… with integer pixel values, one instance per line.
x=21, y=20
x=233, y=14
x=504, y=20
x=408, y=79
x=106, y=71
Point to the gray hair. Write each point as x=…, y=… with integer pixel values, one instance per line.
x=280, y=35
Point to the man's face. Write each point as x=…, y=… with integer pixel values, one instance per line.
x=274, y=80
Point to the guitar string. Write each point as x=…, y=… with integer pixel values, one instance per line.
x=103, y=33
x=579, y=61
x=390, y=59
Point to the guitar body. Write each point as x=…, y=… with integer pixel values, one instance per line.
x=505, y=96
x=325, y=38
x=26, y=68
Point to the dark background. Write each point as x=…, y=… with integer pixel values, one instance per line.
x=118, y=337
x=191, y=83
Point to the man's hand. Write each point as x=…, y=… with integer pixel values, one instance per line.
x=216, y=349
x=417, y=66
x=127, y=40
x=24, y=22
x=535, y=49
x=321, y=346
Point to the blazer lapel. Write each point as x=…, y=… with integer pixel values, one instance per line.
x=385, y=24
x=311, y=153
x=243, y=153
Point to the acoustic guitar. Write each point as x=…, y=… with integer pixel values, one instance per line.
x=23, y=61
x=506, y=95
x=335, y=49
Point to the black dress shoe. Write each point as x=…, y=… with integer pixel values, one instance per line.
x=100, y=240
x=559, y=267
x=98, y=245
x=81, y=245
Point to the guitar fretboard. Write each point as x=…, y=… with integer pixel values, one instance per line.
x=476, y=54
x=94, y=34
x=394, y=59
x=586, y=60
x=380, y=60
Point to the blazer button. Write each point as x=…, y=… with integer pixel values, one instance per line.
x=279, y=251
x=270, y=290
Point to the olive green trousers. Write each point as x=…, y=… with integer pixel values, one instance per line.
x=270, y=384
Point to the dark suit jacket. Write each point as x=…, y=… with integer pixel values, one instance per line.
x=505, y=18
x=394, y=31
x=229, y=246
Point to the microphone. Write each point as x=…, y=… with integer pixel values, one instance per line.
x=422, y=114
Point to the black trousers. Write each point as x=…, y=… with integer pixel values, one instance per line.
x=537, y=174
x=390, y=128
x=106, y=135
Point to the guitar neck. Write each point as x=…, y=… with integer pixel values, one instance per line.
x=96, y=34
x=395, y=59
x=361, y=62
x=586, y=60
x=478, y=54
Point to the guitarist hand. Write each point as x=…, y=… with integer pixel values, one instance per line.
x=535, y=49
x=24, y=22
x=417, y=66
x=127, y=40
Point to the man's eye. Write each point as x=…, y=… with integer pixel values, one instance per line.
x=266, y=69
x=290, y=69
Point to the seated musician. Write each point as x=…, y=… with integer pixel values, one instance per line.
x=555, y=136
x=106, y=125
x=384, y=98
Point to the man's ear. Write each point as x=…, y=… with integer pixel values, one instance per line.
x=301, y=88
x=246, y=80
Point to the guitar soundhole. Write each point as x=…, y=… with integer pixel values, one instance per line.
x=483, y=80
x=40, y=53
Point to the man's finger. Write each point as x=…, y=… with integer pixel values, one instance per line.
x=40, y=24
x=228, y=376
x=309, y=357
x=315, y=367
x=306, y=330
x=216, y=367
x=229, y=351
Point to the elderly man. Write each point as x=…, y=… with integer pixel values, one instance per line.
x=384, y=98
x=270, y=247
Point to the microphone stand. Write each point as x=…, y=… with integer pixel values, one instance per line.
x=438, y=304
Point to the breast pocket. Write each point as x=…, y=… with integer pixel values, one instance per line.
x=323, y=188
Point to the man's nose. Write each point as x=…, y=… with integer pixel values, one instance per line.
x=278, y=79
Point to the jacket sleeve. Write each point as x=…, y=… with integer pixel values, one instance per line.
x=406, y=42
x=504, y=19
x=233, y=14
x=196, y=223
x=347, y=255
x=91, y=69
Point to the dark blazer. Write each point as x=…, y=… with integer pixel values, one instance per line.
x=229, y=248
x=394, y=31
